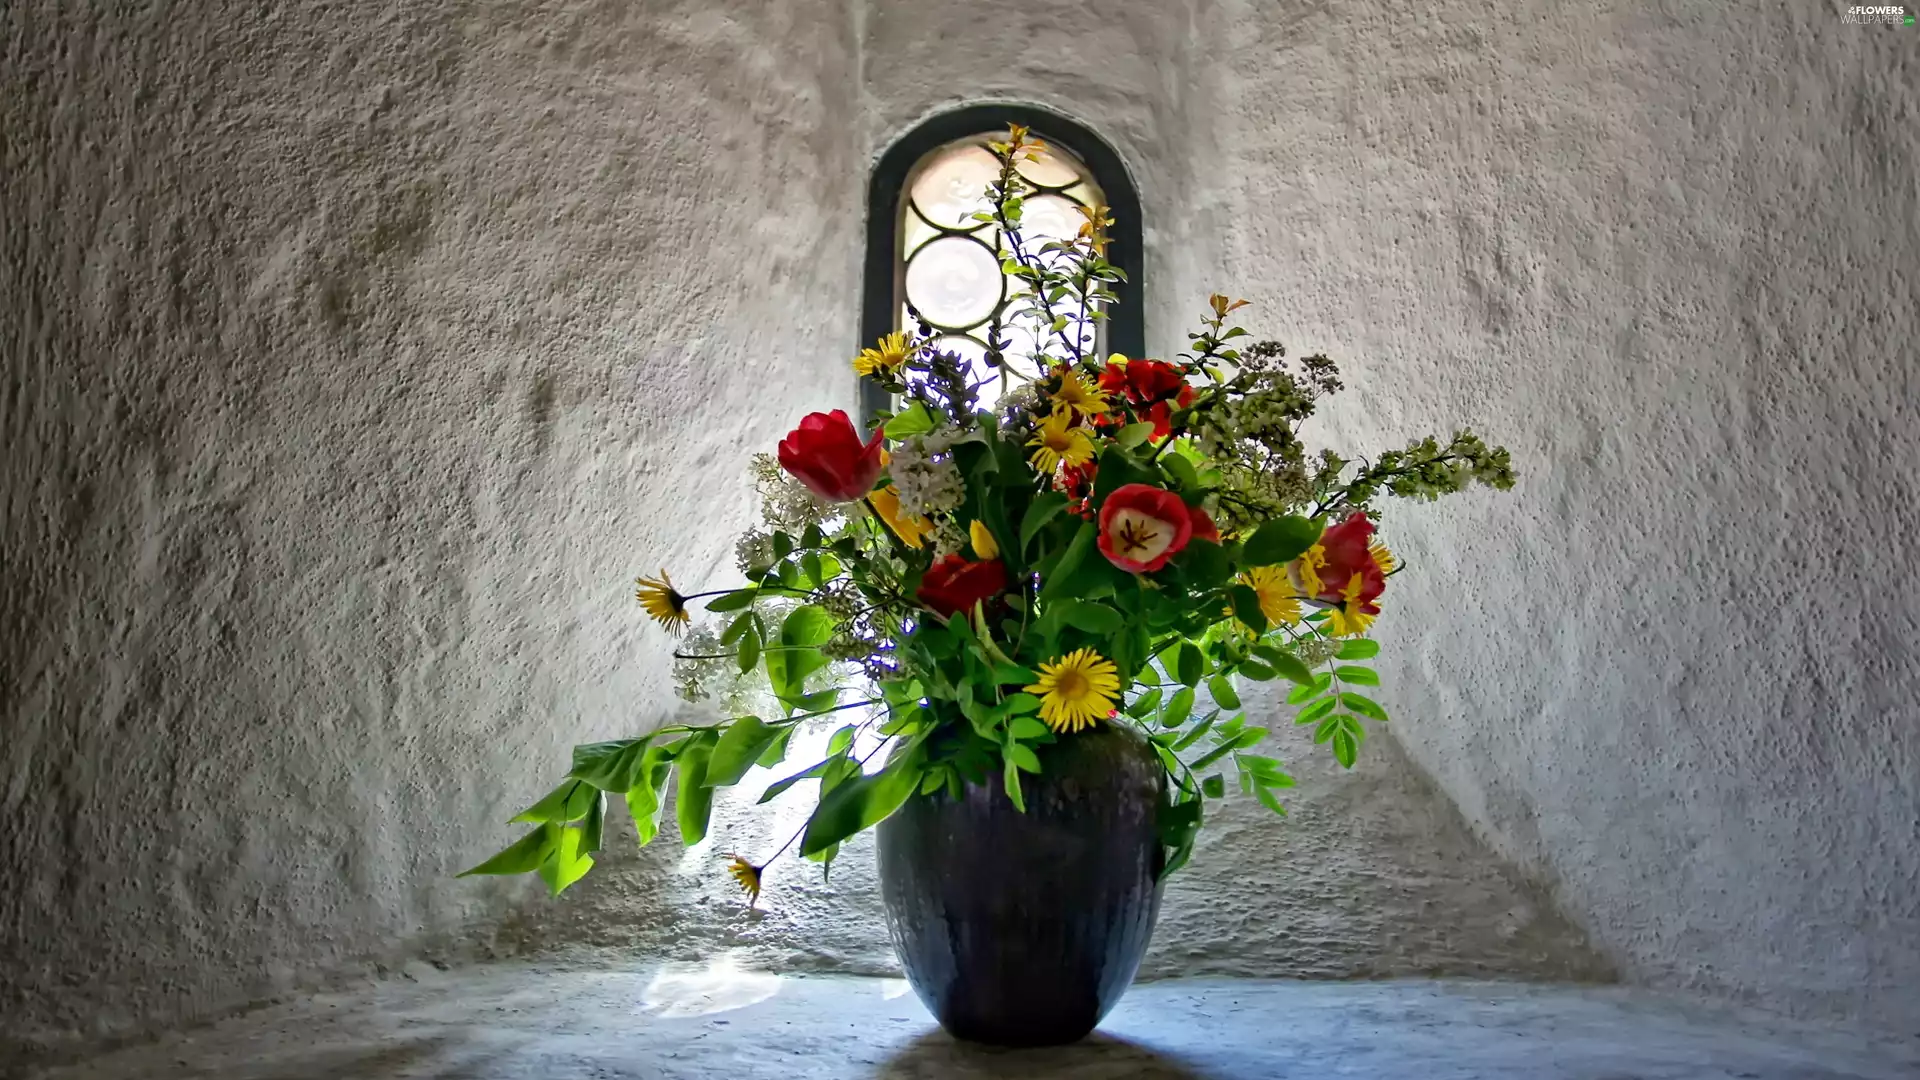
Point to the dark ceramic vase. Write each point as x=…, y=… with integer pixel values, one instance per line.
x=1023, y=929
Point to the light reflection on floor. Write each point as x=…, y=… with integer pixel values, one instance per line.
x=704, y=989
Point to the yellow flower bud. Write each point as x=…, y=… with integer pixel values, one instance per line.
x=983, y=545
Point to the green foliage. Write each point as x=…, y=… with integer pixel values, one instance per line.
x=835, y=612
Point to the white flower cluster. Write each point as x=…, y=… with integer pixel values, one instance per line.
x=924, y=474
x=753, y=551
x=694, y=680
x=785, y=503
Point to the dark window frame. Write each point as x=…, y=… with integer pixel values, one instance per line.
x=880, y=288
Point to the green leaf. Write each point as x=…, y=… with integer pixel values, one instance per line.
x=911, y=421
x=842, y=740
x=1027, y=729
x=1269, y=800
x=693, y=803
x=818, y=702
x=1204, y=564
x=776, y=751
x=1091, y=617
x=1303, y=694
x=522, y=856
x=1181, y=470
x=1250, y=737
x=1070, y=559
x=749, y=650
x=1246, y=607
x=1327, y=728
x=1221, y=687
x=608, y=765
x=643, y=798
x=782, y=546
x=1010, y=779
x=1315, y=711
x=779, y=787
x=1265, y=770
x=1042, y=510
x=593, y=829
x=1133, y=434
x=1345, y=749
x=1194, y=733
x=1358, y=649
x=569, y=862
x=741, y=623
x=1021, y=703
x=1177, y=709
x=1022, y=757
x=860, y=803
x=738, y=750
x=1192, y=666
x=1255, y=670
x=733, y=601
x=1364, y=705
x=1288, y=665
x=1118, y=469
x=802, y=632
x=1280, y=540
x=1144, y=704
x=810, y=568
x=568, y=802
x=1358, y=676
x=1214, y=787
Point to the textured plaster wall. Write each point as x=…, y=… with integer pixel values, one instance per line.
x=358, y=356
x=1669, y=254
x=358, y=353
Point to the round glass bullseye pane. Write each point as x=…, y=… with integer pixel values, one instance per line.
x=954, y=282
x=1049, y=217
x=970, y=352
x=954, y=185
x=1050, y=171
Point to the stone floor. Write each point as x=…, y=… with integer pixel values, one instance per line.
x=720, y=1022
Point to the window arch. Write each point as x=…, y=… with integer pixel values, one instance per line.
x=924, y=257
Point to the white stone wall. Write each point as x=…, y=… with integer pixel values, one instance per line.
x=1668, y=254
x=360, y=355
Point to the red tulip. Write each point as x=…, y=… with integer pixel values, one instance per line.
x=1203, y=526
x=1142, y=526
x=1076, y=481
x=1346, y=550
x=1153, y=380
x=953, y=584
x=825, y=454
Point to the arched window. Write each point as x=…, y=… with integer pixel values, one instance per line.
x=927, y=261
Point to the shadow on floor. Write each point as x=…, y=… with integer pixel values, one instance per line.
x=939, y=1056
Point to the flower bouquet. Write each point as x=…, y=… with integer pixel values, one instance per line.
x=1101, y=551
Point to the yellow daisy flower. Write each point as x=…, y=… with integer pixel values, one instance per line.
x=885, y=360
x=912, y=529
x=663, y=602
x=1060, y=442
x=1305, y=570
x=748, y=875
x=984, y=547
x=1275, y=590
x=1382, y=557
x=1076, y=691
x=1075, y=394
x=1348, y=620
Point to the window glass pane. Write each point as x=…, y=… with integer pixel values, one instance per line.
x=955, y=282
x=954, y=185
x=951, y=264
